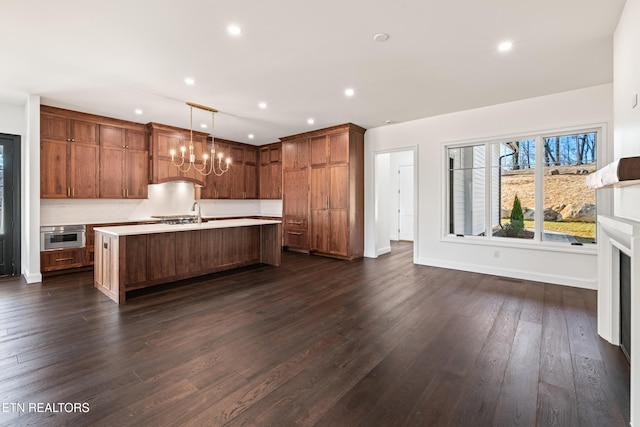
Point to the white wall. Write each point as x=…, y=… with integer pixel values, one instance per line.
x=584, y=107
x=626, y=86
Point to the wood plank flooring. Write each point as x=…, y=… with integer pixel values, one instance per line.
x=315, y=342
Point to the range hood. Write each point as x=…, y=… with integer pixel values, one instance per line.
x=624, y=171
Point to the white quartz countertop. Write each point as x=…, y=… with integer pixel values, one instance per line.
x=129, y=230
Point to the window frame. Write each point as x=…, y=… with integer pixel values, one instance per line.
x=537, y=243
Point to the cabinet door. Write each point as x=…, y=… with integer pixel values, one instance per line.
x=295, y=193
x=289, y=154
x=188, y=258
x=53, y=169
x=83, y=170
x=338, y=187
x=84, y=132
x=338, y=148
x=237, y=177
x=275, y=181
x=111, y=136
x=137, y=167
x=338, y=232
x=320, y=230
x=112, y=172
x=295, y=154
x=318, y=197
x=161, y=255
x=136, y=260
x=251, y=181
x=319, y=152
x=54, y=127
x=265, y=181
x=135, y=140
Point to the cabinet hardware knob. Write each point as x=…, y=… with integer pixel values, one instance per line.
x=295, y=233
x=64, y=259
x=73, y=140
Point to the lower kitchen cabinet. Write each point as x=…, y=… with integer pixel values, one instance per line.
x=62, y=259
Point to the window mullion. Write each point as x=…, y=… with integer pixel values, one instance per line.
x=539, y=188
x=488, y=177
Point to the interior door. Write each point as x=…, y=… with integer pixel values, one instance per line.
x=405, y=203
x=9, y=204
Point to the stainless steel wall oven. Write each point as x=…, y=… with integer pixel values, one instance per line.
x=62, y=237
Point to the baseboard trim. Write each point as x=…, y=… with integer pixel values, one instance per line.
x=515, y=274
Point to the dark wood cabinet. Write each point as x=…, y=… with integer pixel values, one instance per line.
x=323, y=194
x=162, y=140
x=271, y=171
x=61, y=259
x=124, y=163
x=69, y=155
x=241, y=180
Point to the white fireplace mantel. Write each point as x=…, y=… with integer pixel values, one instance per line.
x=615, y=235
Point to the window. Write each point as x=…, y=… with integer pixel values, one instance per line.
x=530, y=188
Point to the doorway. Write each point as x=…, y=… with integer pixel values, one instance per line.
x=9, y=204
x=395, y=199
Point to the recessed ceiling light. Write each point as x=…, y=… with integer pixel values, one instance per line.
x=262, y=105
x=505, y=46
x=203, y=125
x=138, y=111
x=250, y=136
x=234, y=30
x=381, y=37
x=310, y=121
x=190, y=81
x=349, y=92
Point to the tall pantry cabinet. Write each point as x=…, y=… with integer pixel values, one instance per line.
x=323, y=191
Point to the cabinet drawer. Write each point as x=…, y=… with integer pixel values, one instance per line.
x=296, y=238
x=60, y=260
x=295, y=222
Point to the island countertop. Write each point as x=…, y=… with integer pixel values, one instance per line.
x=131, y=230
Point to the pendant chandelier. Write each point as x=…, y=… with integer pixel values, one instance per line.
x=186, y=161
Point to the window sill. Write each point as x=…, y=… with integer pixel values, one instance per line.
x=534, y=245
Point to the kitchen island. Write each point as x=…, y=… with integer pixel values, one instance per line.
x=138, y=256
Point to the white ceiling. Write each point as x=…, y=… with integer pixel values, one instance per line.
x=111, y=57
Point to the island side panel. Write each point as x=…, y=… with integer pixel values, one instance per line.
x=271, y=244
x=106, y=267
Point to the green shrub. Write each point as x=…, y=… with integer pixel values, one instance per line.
x=516, y=226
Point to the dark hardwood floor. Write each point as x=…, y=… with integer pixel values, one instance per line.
x=317, y=342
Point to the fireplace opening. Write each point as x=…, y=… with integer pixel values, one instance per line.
x=625, y=304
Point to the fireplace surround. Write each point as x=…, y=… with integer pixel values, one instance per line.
x=617, y=236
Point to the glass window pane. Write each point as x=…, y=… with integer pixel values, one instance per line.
x=513, y=189
x=569, y=206
x=467, y=190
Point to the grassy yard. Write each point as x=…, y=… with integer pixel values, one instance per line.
x=585, y=232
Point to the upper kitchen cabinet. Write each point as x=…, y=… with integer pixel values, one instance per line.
x=124, y=162
x=323, y=201
x=295, y=153
x=163, y=139
x=69, y=154
x=271, y=171
x=241, y=180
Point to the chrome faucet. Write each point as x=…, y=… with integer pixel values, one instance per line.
x=193, y=208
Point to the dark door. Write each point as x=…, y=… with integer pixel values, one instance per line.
x=9, y=204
